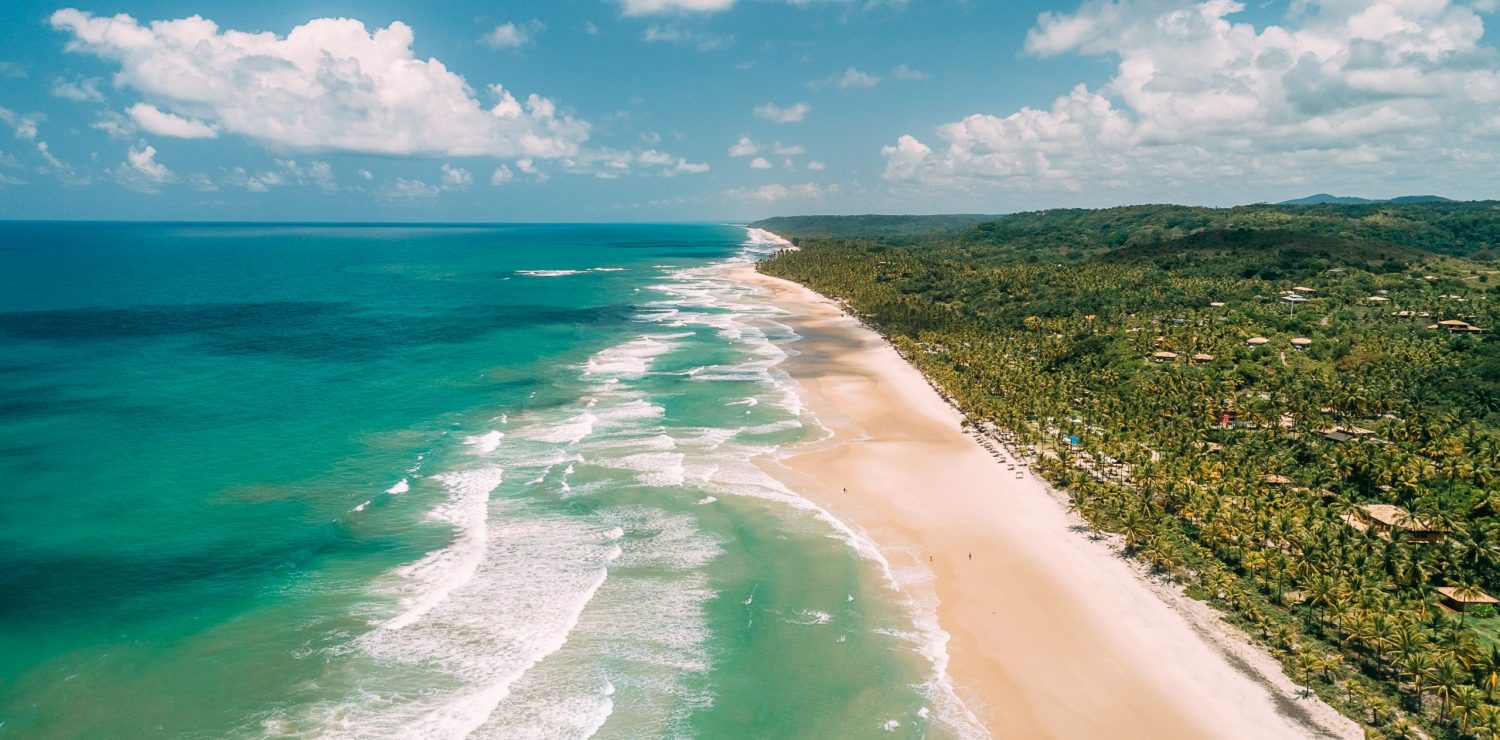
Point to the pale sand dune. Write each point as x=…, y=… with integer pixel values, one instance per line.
x=1052, y=634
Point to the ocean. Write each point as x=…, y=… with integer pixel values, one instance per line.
x=422, y=481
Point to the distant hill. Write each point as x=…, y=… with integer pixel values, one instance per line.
x=870, y=225
x=1324, y=199
x=1268, y=253
x=1461, y=228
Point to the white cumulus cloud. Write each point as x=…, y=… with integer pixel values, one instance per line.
x=156, y=121
x=744, y=148
x=84, y=90
x=511, y=35
x=329, y=84
x=790, y=114
x=903, y=72
x=24, y=126
x=456, y=178
x=650, y=7
x=674, y=34
x=404, y=188
x=141, y=172
x=849, y=79
x=760, y=163
x=1343, y=91
x=777, y=192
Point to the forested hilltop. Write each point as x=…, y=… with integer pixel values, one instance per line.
x=1464, y=228
x=873, y=226
x=1292, y=410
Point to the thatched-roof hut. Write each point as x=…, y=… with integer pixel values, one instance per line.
x=1462, y=599
x=1383, y=519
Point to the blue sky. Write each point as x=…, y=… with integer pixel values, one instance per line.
x=727, y=109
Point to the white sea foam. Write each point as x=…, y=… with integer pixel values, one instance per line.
x=486, y=442
x=565, y=273
x=549, y=273
x=568, y=431
x=658, y=469
x=808, y=616
x=467, y=649
x=402, y=486
x=429, y=581
x=644, y=634
x=629, y=360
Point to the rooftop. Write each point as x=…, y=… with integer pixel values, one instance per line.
x=1466, y=596
x=1394, y=516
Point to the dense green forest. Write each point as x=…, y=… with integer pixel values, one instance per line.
x=1293, y=411
x=1469, y=228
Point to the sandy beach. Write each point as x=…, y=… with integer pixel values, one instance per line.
x=1052, y=634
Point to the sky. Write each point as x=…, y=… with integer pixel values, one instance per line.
x=671, y=110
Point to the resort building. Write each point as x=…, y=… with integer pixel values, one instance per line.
x=1383, y=519
x=1164, y=357
x=1201, y=358
x=1257, y=342
x=1301, y=343
x=1456, y=326
x=1379, y=299
x=1462, y=599
x=1344, y=434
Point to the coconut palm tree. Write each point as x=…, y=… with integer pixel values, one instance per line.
x=1468, y=703
x=1447, y=676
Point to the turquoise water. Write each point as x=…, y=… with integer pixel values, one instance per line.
x=352, y=481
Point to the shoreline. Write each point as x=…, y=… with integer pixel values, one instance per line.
x=1050, y=634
